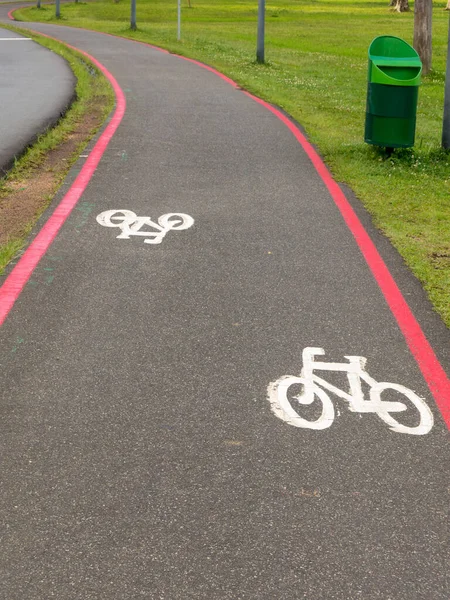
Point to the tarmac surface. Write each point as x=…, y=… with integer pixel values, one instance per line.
x=36, y=88
x=141, y=457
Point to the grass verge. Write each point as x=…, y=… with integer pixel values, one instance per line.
x=28, y=188
x=316, y=71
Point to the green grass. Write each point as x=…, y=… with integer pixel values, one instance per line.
x=316, y=52
x=92, y=89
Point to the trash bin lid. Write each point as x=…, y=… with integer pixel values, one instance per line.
x=393, y=62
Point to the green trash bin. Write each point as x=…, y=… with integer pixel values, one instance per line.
x=393, y=86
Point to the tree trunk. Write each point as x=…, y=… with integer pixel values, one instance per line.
x=448, y=5
x=423, y=10
x=400, y=5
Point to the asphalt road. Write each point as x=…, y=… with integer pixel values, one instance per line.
x=140, y=454
x=36, y=87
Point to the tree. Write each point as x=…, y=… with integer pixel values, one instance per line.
x=400, y=5
x=423, y=10
x=448, y=5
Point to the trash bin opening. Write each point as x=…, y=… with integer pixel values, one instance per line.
x=400, y=73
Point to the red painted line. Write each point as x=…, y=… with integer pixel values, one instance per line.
x=432, y=371
x=15, y=282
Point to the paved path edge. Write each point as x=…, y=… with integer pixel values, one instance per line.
x=47, y=123
x=429, y=365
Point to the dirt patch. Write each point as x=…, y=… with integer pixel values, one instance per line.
x=23, y=200
x=441, y=260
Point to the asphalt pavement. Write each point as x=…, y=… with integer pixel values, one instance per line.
x=36, y=88
x=141, y=456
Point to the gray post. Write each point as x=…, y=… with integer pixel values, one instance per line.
x=133, y=15
x=260, y=42
x=38, y=5
x=58, y=9
x=446, y=122
x=179, y=21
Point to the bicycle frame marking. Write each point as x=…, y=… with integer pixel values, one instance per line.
x=315, y=387
x=130, y=224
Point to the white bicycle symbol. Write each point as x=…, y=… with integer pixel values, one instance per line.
x=312, y=385
x=130, y=224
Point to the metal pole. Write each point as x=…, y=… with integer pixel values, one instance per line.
x=58, y=9
x=446, y=122
x=179, y=21
x=38, y=5
x=133, y=15
x=260, y=42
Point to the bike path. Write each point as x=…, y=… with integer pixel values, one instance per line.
x=36, y=88
x=140, y=457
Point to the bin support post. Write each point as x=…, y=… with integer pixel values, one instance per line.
x=446, y=121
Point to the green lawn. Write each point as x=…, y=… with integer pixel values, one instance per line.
x=316, y=52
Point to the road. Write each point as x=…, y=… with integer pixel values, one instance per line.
x=141, y=457
x=36, y=87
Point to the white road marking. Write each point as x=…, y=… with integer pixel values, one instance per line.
x=130, y=224
x=313, y=391
x=14, y=39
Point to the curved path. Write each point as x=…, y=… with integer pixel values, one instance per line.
x=36, y=87
x=140, y=454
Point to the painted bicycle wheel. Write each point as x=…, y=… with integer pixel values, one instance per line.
x=176, y=221
x=289, y=396
x=425, y=416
